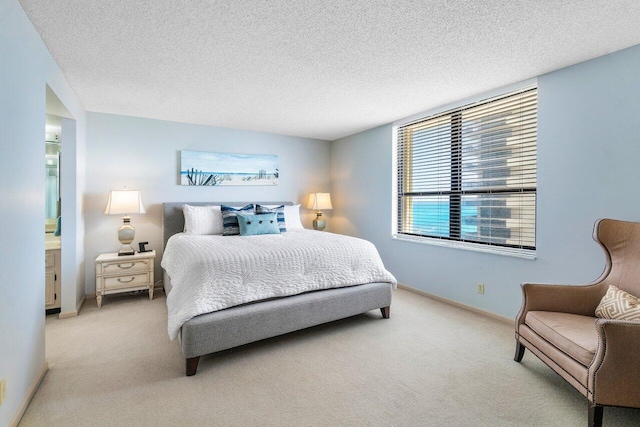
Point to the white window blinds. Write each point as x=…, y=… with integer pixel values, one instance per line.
x=469, y=174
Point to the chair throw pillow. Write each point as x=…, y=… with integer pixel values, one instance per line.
x=252, y=225
x=230, y=225
x=618, y=304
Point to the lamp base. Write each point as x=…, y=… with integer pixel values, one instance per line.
x=319, y=223
x=126, y=234
x=126, y=251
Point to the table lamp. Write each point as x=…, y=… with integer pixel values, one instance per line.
x=125, y=202
x=317, y=202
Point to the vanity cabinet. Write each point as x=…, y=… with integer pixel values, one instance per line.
x=52, y=279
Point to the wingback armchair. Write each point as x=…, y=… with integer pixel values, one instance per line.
x=599, y=357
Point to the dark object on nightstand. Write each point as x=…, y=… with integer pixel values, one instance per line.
x=142, y=245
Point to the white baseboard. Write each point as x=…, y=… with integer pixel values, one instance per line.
x=67, y=314
x=458, y=304
x=27, y=398
x=80, y=304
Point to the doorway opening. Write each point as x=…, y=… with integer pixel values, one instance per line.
x=58, y=123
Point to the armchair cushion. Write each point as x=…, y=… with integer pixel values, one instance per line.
x=572, y=334
x=618, y=304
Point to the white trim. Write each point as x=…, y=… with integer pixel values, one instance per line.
x=80, y=304
x=68, y=314
x=466, y=101
x=30, y=393
x=459, y=305
x=476, y=247
x=394, y=180
x=468, y=246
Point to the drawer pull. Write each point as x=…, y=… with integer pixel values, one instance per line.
x=126, y=281
x=124, y=268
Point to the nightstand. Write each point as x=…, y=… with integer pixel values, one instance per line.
x=116, y=274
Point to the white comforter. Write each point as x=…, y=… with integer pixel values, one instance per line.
x=210, y=273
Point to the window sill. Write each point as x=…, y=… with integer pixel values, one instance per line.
x=496, y=250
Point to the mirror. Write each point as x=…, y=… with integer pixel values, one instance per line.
x=52, y=160
x=52, y=172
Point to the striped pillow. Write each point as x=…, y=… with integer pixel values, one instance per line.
x=230, y=225
x=279, y=210
x=618, y=304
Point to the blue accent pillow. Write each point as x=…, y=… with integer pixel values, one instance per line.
x=230, y=225
x=251, y=225
x=279, y=211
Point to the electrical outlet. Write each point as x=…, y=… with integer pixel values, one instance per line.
x=3, y=390
x=481, y=288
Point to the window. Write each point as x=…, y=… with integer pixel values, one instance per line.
x=468, y=176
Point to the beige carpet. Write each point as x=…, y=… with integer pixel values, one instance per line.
x=429, y=365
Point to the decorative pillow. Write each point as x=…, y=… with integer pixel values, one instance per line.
x=292, y=217
x=252, y=224
x=230, y=225
x=202, y=219
x=618, y=304
x=278, y=210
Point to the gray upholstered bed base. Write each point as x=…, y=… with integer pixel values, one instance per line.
x=235, y=326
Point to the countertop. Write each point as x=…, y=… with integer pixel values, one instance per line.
x=51, y=242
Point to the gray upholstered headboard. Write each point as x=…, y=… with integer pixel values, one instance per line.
x=173, y=218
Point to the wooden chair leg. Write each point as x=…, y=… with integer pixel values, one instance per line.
x=595, y=415
x=192, y=365
x=386, y=311
x=519, y=351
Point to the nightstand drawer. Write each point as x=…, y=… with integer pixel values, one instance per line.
x=127, y=281
x=122, y=267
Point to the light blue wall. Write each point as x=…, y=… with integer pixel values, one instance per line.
x=27, y=67
x=144, y=154
x=588, y=156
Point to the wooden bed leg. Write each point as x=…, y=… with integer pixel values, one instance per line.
x=519, y=352
x=192, y=365
x=386, y=311
x=595, y=415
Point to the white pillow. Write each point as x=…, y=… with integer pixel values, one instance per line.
x=202, y=219
x=292, y=217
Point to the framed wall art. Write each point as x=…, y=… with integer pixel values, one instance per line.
x=206, y=169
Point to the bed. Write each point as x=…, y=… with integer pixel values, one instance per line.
x=241, y=324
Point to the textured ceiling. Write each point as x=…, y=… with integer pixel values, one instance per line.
x=315, y=68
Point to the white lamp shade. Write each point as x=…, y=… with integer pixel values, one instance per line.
x=319, y=201
x=124, y=202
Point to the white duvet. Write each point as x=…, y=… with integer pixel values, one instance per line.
x=210, y=273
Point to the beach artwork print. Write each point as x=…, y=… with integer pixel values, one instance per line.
x=203, y=168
